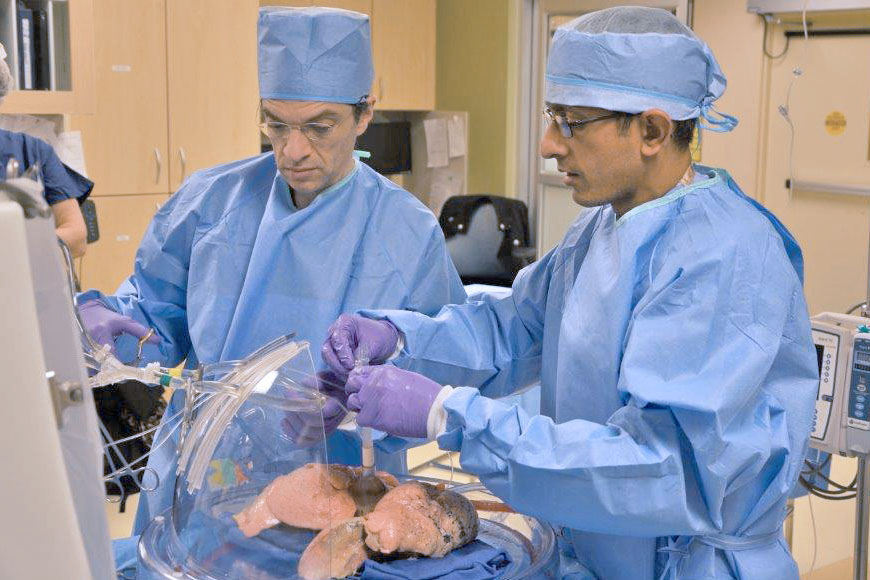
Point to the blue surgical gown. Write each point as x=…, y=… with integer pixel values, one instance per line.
x=229, y=263
x=678, y=380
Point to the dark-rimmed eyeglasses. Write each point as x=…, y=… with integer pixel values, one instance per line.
x=567, y=127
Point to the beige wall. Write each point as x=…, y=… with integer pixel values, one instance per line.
x=720, y=23
x=472, y=75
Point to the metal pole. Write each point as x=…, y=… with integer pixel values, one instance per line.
x=862, y=521
x=865, y=312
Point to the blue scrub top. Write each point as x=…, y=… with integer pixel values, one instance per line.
x=60, y=181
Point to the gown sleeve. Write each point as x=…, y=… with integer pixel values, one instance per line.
x=717, y=359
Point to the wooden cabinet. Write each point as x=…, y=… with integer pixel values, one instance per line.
x=123, y=220
x=403, y=42
x=176, y=92
x=125, y=141
x=364, y=6
x=213, y=91
x=80, y=99
x=176, y=84
x=403, y=49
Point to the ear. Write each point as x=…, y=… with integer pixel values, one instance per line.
x=655, y=131
x=366, y=117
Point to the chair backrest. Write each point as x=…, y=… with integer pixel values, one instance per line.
x=483, y=232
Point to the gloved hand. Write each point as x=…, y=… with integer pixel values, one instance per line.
x=305, y=428
x=351, y=337
x=106, y=325
x=391, y=399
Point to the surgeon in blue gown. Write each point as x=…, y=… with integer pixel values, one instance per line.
x=285, y=241
x=668, y=328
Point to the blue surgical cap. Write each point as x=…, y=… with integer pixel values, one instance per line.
x=632, y=59
x=314, y=54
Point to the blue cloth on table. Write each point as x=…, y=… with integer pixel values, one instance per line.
x=125, y=552
x=475, y=561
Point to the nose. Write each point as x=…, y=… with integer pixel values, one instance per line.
x=297, y=146
x=553, y=144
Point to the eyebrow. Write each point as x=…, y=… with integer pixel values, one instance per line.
x=563, y=110
x=322, y=116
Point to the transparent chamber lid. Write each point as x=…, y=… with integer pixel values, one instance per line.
x=252, y=502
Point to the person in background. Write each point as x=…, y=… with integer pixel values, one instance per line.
x=285, y=241
x=669, y=330
x=65, y=189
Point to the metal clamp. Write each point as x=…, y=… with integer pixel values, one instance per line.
x=64, y=395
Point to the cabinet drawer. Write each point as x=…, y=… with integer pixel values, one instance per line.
x=123, y=220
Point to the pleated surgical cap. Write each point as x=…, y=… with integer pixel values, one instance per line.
x=632, y=59
x=314, y=54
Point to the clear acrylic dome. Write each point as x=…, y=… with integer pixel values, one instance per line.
x=233, y=445
x=249, y=499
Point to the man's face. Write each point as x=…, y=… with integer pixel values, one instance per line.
x=312, y=163
x=602, y=163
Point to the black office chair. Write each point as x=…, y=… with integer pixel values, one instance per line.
x=487, y=237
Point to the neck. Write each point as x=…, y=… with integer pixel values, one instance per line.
x=660, y=175
x=302, y=200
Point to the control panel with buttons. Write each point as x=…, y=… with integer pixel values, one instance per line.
x=827, y=347
x=858, y=412
x=841, y=422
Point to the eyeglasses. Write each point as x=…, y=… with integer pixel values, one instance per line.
x=566, y=127
x=280, y=131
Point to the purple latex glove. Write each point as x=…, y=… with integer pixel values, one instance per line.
x=106, y=325
x=351, y=337
x=307, y=428
x=391, y=399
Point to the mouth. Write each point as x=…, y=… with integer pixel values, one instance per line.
x=571, y=178
x=299, y=170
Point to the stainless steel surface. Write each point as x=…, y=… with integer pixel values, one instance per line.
x=817, y=187
x=773, y=6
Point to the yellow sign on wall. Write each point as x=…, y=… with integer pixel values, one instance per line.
x=835, y=123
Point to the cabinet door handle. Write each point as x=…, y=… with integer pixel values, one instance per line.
x=183, y=159
x=159, y=164
x=380, y=88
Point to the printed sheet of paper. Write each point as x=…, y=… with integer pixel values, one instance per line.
x=444, y=185
x=436, y=142
x=456, y=136
x=71, y=151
